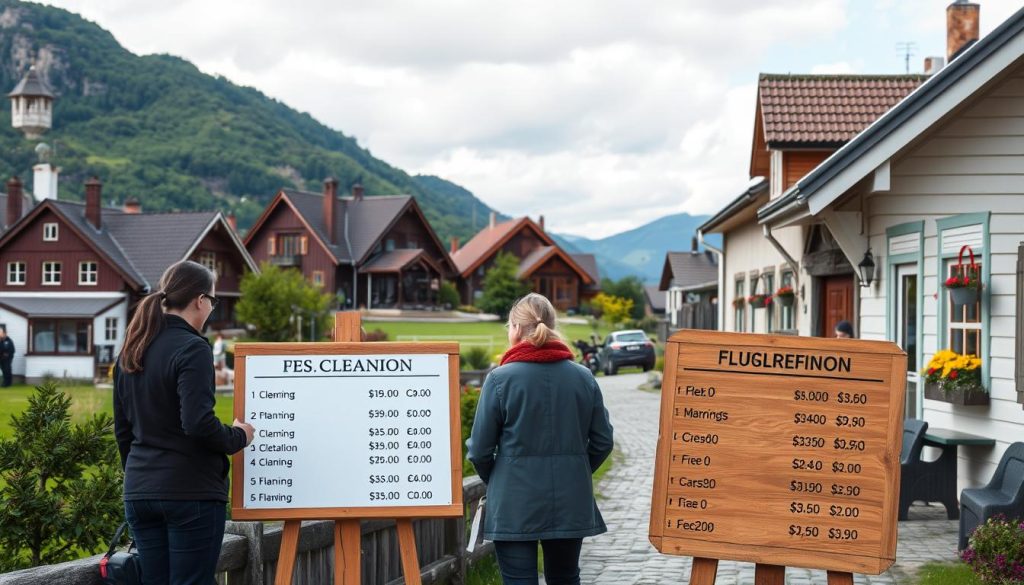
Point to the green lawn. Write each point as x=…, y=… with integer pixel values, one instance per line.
x=85, y=400
x=946, y=574
x=488, y=333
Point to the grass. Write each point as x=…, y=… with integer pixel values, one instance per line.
x=484, y=572
x=946, y=574
x=495, y=330
x=85, y=401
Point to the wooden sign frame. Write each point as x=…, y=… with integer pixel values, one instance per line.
x=347, y=533
x=771, y=560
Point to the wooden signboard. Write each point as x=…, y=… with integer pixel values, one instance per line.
x=348, y=430
x=779, y=450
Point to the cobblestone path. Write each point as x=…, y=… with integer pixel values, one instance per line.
x=624, y=556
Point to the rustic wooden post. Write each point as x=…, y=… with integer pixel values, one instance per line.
x=253, y=533
x=703, y=571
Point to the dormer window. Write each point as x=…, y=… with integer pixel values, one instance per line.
x=50, y=232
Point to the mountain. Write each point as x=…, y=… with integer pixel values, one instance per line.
x=640, y=251
x=157, y=128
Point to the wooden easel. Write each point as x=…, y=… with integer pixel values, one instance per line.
x=347, y=532
x=704, y=572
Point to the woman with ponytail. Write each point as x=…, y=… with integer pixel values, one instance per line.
x=541, y=430
x=173, y=449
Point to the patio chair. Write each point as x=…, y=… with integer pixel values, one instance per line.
x=920, y=480
x=1004, y=494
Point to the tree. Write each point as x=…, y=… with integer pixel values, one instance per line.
x=61, y=491
x=629, y=287
x=449, y=295
x=613, y=309
x=272, y=299
x=501, y=286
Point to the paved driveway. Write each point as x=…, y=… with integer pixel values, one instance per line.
x=624, y=556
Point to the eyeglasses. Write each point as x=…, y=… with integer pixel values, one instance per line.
x=213, y=300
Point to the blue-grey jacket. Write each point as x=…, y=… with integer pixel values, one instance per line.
x=541, y=430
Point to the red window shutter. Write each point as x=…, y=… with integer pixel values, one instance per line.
x=304, y=245
x=272, y=246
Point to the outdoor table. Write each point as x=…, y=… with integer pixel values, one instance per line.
x=948, y=440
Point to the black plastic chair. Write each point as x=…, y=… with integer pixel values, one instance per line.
x=924, y=481
x=1004, y=494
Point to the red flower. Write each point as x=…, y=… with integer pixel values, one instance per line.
x=954, y=374
x=931, y=371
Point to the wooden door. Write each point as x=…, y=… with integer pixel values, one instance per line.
x=836, y=302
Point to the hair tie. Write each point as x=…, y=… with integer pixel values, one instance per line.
x=163, y=295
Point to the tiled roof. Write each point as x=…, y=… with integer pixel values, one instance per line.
x=390, y=262
x=827, y=108
x=74, y=213
x=368, y=218
x=154, y=241
x=588, y=262
x=32, y=85
x=688, y=269
x=655, y=298
x=483, y=242
x=533, y=259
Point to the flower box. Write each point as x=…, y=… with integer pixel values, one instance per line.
x=759, y=301
x=961, y=396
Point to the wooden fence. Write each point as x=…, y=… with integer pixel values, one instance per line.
x=249, y=553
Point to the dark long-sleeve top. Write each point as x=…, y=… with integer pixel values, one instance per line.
x=172, y=445
x=540, y=431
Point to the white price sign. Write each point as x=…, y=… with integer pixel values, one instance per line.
x=346, y=431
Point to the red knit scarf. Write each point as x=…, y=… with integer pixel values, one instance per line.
x=524, y=351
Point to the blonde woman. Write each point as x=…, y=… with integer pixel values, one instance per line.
x=540, y=432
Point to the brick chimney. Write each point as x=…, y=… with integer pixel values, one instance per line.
x=540, y=222
x=494, y=220
x=132, y=206
x=14, y=202
x=93, y=194
x=357, y=192
x=454, y=245
x=963, y=22
x=232, y=221
x=330, y=208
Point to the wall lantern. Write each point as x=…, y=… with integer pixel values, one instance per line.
x=867, y=269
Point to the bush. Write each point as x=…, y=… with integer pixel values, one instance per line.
x=377, y=335
x=61, y=493
x=448, y=295
x=467, y=405
x=469, y=309
x=271, y=299
x=476, y=357
x=659, y=364
x=613, y=309
x=996, y=551
x=649, y=324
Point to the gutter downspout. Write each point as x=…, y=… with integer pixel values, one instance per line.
x=789, y=259
x=721, y=279
x=355, y=282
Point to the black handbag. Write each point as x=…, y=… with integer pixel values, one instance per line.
x=121, y=567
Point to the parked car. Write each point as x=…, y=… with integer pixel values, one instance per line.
x=626, y=348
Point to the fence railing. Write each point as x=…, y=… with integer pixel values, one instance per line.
x=249, y=553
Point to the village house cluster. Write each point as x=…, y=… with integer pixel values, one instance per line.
x=74, y=272
x=868, y=192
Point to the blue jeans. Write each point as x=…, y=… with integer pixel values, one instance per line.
x=517, y=561
x=179, y=540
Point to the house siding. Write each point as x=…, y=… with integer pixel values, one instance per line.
x=746, y=251
x=284, y=220
x=974, y=162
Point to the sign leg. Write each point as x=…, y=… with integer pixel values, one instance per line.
x=840, y=578
x=704, y=571
x=289, y=547
x=347, y=539
x=407, y=549
x=769, y=574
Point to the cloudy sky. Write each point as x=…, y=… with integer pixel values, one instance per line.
x=602, y=115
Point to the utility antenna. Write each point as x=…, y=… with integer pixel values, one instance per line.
x=907, y=48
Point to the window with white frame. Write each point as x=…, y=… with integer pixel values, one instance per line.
x=209, y=260
x=88, y=273
x=739, y=302
x=964, y=321
x=51, y=273
x=16, y=273
x=318, y=277
x=110, y=329
x=50, y=232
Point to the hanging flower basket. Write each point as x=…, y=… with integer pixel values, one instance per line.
x=739, y=302
x=955, y=378
x=759, y=301
x=965, y=286
x=785, y=296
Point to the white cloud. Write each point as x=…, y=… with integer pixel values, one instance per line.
x=600, y=114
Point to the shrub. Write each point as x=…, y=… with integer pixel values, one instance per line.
x=659, y=364
x=271, y=299
x=61, y=493
x=613, y=309
x=377, y=335
x=476, y=357
x=467, y=406
x=469, y=309
x=996, y=551
x=448, y=295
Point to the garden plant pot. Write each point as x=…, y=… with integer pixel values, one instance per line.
x=758, y=303
x=978, y=397
x=786, y=300
x=965, y=295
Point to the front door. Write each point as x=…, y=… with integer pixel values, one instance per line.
x=836, y=302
